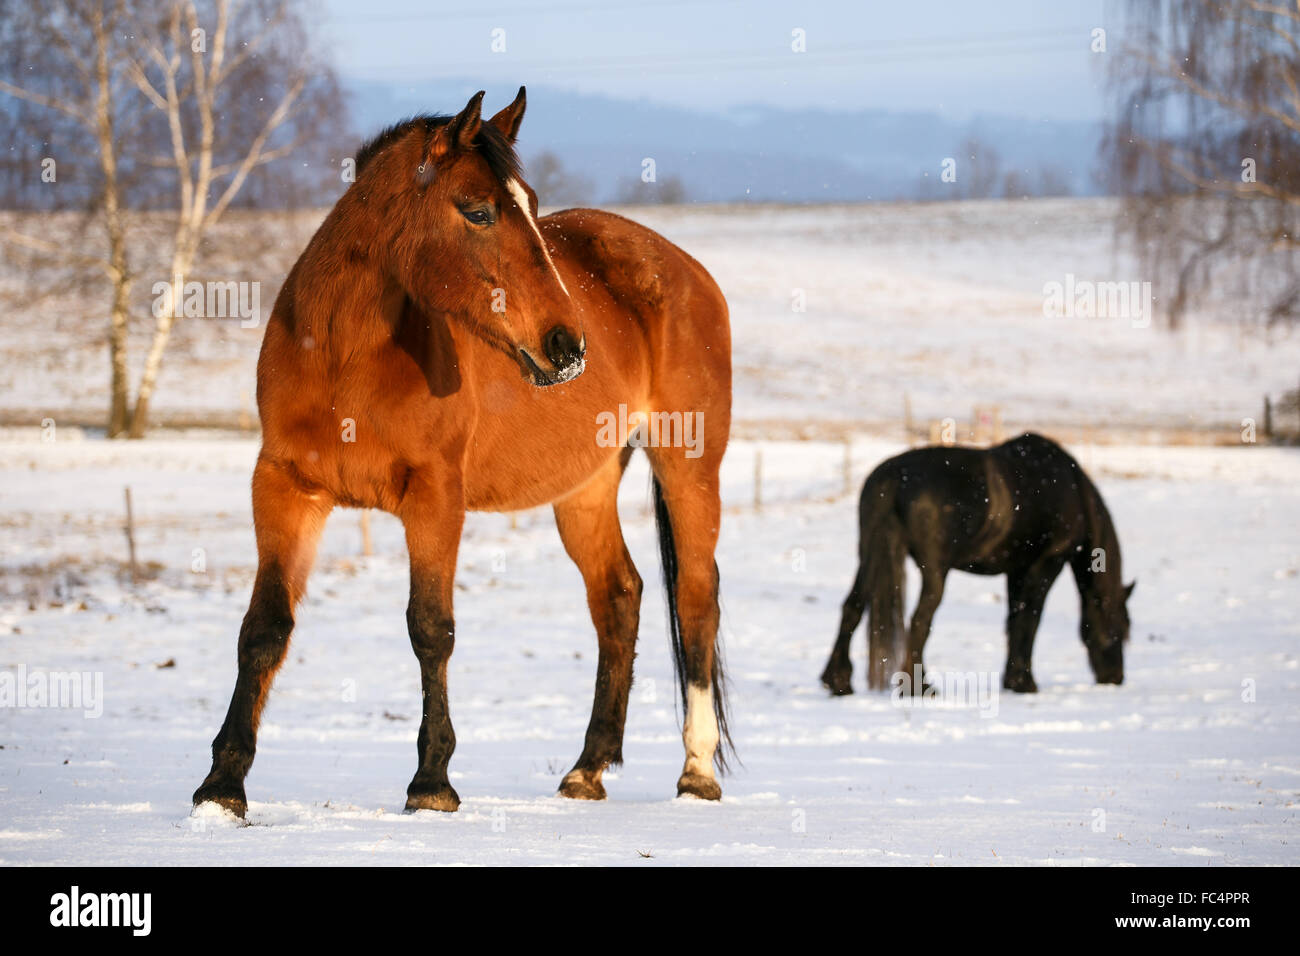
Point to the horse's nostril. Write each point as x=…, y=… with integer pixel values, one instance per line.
x=561, y=347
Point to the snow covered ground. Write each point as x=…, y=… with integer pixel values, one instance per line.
x=934, y=305
x=1195, y=760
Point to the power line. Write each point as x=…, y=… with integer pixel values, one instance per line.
x=546, y=10
x=833, y=57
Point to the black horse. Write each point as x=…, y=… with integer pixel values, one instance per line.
x=1023, y=509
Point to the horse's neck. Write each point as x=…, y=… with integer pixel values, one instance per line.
x=344, y=300
x=1101, y=537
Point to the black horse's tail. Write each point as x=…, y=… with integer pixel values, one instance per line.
x=668, y=558
x=882, y=549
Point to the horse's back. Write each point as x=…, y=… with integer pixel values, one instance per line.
x=1042, y=473
x=952, y=472
x=1048, y=488
x=643, y=270
x=985, y=510
x=1031, y=452
x=672, y=297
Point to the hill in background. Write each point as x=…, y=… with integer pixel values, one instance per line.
x=760, y=153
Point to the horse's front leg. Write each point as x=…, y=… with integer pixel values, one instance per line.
x=433, y=513
x=288, y=519
x=932, y=581
x=1026, y=593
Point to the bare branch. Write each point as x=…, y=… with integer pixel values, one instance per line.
x=24, y=241
x=49, y=102
x=251, y=158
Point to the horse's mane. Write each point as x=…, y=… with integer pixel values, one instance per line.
x=490, y=143
x=1101, y=533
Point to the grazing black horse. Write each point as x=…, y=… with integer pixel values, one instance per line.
x=1023, y=509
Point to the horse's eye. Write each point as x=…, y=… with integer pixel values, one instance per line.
x=480, y=216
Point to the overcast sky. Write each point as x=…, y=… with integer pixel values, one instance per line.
x=957, y=57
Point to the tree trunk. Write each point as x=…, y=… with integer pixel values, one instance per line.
x=119, y=273
x=153, y=363
x=119, y=406
x=162, y=332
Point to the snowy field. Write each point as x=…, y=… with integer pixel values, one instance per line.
x=935, y=306
x=1195, y=760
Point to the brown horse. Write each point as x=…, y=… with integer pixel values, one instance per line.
x=390, y=377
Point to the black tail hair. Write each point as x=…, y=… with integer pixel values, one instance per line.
x=668, y=559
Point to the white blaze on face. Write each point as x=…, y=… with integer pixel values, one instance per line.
x=700, y=733
x=521, y=200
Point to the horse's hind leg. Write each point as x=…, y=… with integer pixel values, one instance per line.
x=932, y=580
x=839, y=669
x=690, y=510
x=288, y=521
x=588, y=524
x=1026, y=593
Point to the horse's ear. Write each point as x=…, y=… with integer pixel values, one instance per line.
x=465, y=126
x=1128, y=589
x=460, y=131
x=508, y=120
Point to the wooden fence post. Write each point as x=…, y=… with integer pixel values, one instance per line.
x=130, y=538
x=848, y=465
x=367, y=548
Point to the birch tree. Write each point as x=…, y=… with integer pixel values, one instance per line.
x=1206, y=149
x=200, y=97
x=79, y=71
x=193, y=65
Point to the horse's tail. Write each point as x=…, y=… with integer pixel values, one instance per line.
x=668, y=559
x=881, y=549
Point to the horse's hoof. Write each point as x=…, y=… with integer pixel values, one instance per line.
x=1020, y=684
x=839, y=683
x=579, y=785
x=699, y=786
x=444, y=799
x=229, y=796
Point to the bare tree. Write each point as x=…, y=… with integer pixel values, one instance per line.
x=1053, y=182
x=80, y=68
x=555, y=185
x=190, y=66
x=982, y=174
x=1205, y=147
x=1016, y=184
x=225, y=87
x=669, y=191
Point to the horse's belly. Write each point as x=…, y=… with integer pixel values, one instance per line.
x=534, y=477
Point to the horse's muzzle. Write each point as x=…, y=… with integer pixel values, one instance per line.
x=568, y=359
